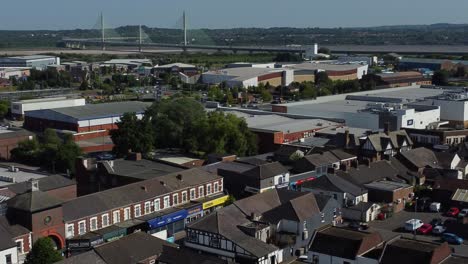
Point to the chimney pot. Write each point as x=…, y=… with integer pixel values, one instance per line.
x=180, y=177
x=162, y=183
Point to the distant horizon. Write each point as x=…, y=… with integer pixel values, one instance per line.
x=272, y=27
x=215, y=14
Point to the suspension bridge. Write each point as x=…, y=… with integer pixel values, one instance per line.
x=109, y=37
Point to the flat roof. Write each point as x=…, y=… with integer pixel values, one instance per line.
x=325, y=66
x=20, y=176
x=386, y=185
x=40, y=100
x=177, y=64
x=281, y=123
x=243, y=73
x=32, y=57
x=460, y=195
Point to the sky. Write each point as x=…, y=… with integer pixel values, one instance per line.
x=72, y=14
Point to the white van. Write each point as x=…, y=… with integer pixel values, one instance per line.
x=434, y=207
x=413, y=224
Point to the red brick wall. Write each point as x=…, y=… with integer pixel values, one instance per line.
x=65, y=193
x=99, y=127
x=270, y=76
x=279, y=108
x=27, y=244
x=107, y=147
x=6, y=145
x=38, y=124
x=55, y=228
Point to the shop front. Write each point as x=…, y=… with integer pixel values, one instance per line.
x=165, y=226
x=83, y=243
x=210, y=206
x=194, y=213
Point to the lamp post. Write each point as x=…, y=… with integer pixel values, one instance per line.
x=415, y=210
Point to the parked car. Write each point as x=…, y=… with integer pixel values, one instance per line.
x=436, y=222
x=453, y=212
x=452, y=238
x=434, y=207
x=105, y=156
x=439, y=229
x=425, y=229
x=413, y=224
x=463, y=213
x=424, y=204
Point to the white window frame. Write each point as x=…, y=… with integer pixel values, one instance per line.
x=216, y=187
x=103, y=223
x=135, y=210
x=69, y=234
x=194, y=194
x=148, y=207
x=83, y=222
x=20, y=250
x=208, y=189
x=175, y=199
x=201, y=191
x=115, y=219
x=184, y=196
x=157, y=204
x=91, y=224
x=168, y=200
x=127, y=213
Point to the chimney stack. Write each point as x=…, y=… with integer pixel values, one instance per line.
x=180, y=177
x=387, y=128
x=34, y=185
x=135, y=156
x=347, y=139
x=162, y=183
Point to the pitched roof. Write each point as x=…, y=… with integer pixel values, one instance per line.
x=45, y=184
x=83, y=258
x=445, y=158
x=396, y=138
x=333, y=183
x=325, y=158
x=33, y=201
x=132, y=248
x=6, y=240
x=139, y=169
x=266, y=171
x=414, y=251
x=375, y=171
x=344, y=243
x=185, y=255
x=342, y=155
x=298, y=209
x=13, y=229
x=421, y=157
x=96, y=203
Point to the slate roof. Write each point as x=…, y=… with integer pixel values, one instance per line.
x=132, y=249
x=325, y=158
x=13, y=229
x=421, y=157
x=83, y=258
x=6, y=240
x=132, y=193
x=225, y=222
x=364, y=206
x=342, y=155
x=445, y=159
x=33, y=201
x=375, y=171
x=334, y=183
x=45, y=184
x=396, y=138
x=185, y=255
x=140, y=169
x=344, y=243
x=266, y=171
x=414, y=251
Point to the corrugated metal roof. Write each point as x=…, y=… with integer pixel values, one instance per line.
x=461, y=195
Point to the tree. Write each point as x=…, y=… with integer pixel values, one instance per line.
x=461, y=71
x=370, y=82
x=266, y=96
x=43, y=252
x=307, y=90
x=440, y=77
x=4, y=105
x=321, y=78
x=27, y=151
x=132, y=135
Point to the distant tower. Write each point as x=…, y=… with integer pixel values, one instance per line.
x=185, y=29
x=315, y=48
x=140, y=40
x=103, y=33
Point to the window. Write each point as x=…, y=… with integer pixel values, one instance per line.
x=137, y=210
x=214, y=242
x=116, y=217
x=147, y=207
x=81, y=227
x=184, y=197
x=70, y=231
x=192, y=194
x=93, y=224
x=157, y=205
x=193, y=237
x=8, y=259
x=216, y=187
x=105, y=220
x=175, y=199
x=208, y=189
x=127, y=214
x=166, y=202
x=200, y=191
x=19, y=246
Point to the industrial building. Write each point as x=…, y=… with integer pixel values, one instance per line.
x=454, y=107
x=247, y=77
x=401, y=107
x=403, y=79
x=336, y=71
x=9, y=73
x=432, y=64
x=19, y=107
x=89, y=124
x=38, y=62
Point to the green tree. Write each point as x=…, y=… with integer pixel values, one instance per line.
x=440, y=77
x=4, y=105
x=43, y=252
x=307, y=90
x=266, y=96
x=27, y=151
x=370, y=82
x=132, y=135
x=321, y=78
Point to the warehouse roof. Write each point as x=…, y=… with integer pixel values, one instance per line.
x=32, y=57
x=92, y=111
x=180, y=65
x=324, y=66
x=243, y=73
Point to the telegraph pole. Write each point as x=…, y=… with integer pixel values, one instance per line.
x=103, y=33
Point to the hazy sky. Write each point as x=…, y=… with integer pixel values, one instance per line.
x=70, y=14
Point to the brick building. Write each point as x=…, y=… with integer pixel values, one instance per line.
x=9, y=140
x=394, y=193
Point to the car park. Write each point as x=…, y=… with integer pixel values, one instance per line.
x=425, y=229
x=436, y=222
x=434, y=207
x=452, y=239
x=453, y=212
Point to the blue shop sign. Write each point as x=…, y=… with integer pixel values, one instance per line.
x=167, y=219
x=194, y=210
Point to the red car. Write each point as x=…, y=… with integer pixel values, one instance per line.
x=425, y=229
x=453, y=212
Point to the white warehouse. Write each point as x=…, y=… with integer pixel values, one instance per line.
x=18, y=108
